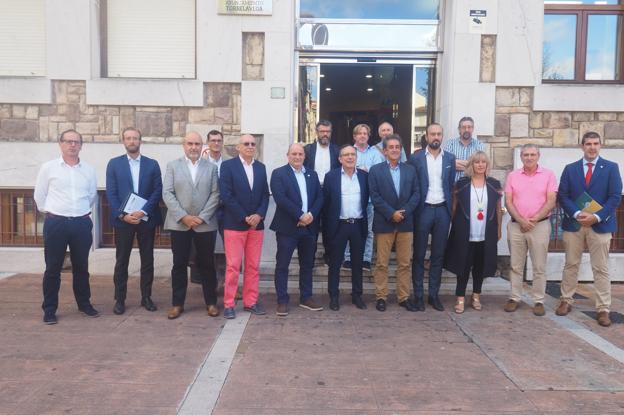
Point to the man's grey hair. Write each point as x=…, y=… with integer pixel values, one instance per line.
x=528, y=146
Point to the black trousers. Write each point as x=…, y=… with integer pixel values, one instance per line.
x=181, y=248
x=124, y=238
x=352, y=233
x=58, y=233
x=474, y=263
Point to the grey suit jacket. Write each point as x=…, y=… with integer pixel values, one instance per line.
x=182, y=197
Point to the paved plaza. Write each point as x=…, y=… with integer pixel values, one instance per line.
x=346, y=362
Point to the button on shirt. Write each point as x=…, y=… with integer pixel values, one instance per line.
x=435, y=194
x=303, y=189
x=322, y=162
x=395, y=173
x=217, y=163
x=135, y=168
x=351, y=203
x=368, y=158
x=248, y=171
x=456, y=147
x=192, y=168
x=65, y=190
x=529, y=192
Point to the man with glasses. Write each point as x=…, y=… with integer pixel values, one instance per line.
x=66, y=191
x=245, y=195
x=463, y=146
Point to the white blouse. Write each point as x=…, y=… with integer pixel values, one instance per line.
x=478, y=199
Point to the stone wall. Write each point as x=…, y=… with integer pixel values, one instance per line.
x=103, y=124
x=517, y=123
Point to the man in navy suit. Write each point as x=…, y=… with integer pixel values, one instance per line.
x=394, y=192
x=436, y=173
x=345, y=196
x=321, y=157
x=245, y=197
x=599, y=179
x=138, y=174
x=299, y=200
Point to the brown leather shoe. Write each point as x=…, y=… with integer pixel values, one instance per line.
x=563, y=309
x=538, y=309
x=213, y=310
x=603, y=318
x=282, y=310
x=175, y=312
x=309, y=304
x=511, y=306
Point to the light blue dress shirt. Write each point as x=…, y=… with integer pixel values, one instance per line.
x=395, y=172
x=368, y=158
x=351, y=203
x=303, y=189
x=135, y=168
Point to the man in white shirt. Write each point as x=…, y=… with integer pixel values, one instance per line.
x=65, y=191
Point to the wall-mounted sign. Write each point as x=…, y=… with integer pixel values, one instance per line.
x=250, y=7
x=477, y=21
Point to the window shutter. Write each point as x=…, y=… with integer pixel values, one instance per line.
x=151, y=38
x=22, y=38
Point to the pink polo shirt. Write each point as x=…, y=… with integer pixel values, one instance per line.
x=529, y=192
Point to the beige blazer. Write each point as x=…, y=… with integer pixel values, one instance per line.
x=182, y=197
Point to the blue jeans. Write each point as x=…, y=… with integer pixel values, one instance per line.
x=435, y=221
x=305, y=243
x=368, y=246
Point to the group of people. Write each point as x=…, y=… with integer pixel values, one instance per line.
x=441, y=197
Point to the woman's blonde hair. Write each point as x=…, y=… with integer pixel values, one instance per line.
x=478, y=156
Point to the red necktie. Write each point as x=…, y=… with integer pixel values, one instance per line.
x=589, y=174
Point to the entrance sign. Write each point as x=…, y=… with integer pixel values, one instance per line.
x=245, y=7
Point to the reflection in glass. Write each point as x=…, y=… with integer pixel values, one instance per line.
x=422, y=90
x=602, y=47
x=577, y=2
x=559, y=46
x=308, y=101
x=370, y=9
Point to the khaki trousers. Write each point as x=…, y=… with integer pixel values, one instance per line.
x=536, y=242
x=384, y=243
x=598, y=246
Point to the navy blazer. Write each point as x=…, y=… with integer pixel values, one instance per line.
x=419, y=161
x=239, y=201
x=386, y=201
x=332, y=200
x=119, y=186
x=310, y=156
x=605, y=187
x=288, y=201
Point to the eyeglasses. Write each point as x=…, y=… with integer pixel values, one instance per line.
x=215, y=141
x=249, y=144
x=71, y=142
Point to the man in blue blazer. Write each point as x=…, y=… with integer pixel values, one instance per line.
x=435, y=169
x=138, y=174
x=394, y=192
x=345, y=196
x=245, y=200
x=321, y=157
x=299, y=200
x=595, y=178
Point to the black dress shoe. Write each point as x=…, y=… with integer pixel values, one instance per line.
x=435, y=303
x=148, y=304
x=49, y=317
x=419, y=304
x=407, y=304
x=358, y=302
x=119, y=308
x=380, y=305
x=334, y=304
x=89, y=311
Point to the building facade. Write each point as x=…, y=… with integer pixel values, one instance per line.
x=533, y=71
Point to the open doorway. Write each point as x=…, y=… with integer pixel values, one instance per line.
x=351, y=93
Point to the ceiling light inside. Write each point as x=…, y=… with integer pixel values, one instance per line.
x=369, y=75
x=328, y=89
x=369, y=89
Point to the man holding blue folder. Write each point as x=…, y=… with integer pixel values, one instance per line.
x=589, y=192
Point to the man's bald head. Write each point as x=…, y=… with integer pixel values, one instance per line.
x=192, y=145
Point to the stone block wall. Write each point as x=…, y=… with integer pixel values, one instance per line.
x=103, y=124
x=516, y=123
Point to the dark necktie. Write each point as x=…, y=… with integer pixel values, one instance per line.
x=589, y=174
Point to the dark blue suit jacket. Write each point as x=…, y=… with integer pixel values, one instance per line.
x=605, y=187
x=310, y=156
x=332, y=200
x=288, y=200
x=239, y=201
x=419, y=161
x=119, y=186
x=386, y=201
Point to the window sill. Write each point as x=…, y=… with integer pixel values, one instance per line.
x=146, y=92
x=579, y=97
x=25, y=90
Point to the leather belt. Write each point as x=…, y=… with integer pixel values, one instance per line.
x=350, y=220
x=52, y=215
x=541, y=220
x=435, y=205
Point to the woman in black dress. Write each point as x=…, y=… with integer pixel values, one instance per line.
x=475, y=229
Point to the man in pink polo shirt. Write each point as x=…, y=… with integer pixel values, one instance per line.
x=530, y=195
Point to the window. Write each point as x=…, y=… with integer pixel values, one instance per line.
x=583, y=41
x=20, y=222
x=22, y=38
x=148, y=38
x=376, y=9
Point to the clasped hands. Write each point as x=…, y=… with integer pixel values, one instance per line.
x=192, y=221
x=305, y=219
x=398, y=216
x=133, y=218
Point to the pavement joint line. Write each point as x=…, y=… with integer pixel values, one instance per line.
x=582, y=332
x=203, y=392
x=4, y=275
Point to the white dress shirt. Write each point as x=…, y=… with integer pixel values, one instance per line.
x=351, y=198
x=65, y=190
x=248, y=170
x=135, y=169
x=216, y=162
x=435, y=194
x=303, y=188
x=322, y=162
x=193, y=167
